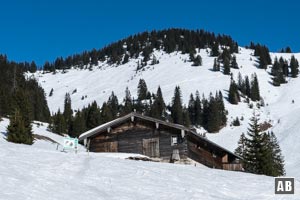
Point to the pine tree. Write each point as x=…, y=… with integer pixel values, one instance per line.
x=285, y=67
x=205, y=112
x=216, y=66
x=256, y=150
x=128, y=105
x=215, y=50
x=247, y=86
x=255, y=94
x=276, y=160
x=198, y=109
x=142, y=90
x=262, y=154
x=197, y=61
x=18, y=130
x=191, y=109
x=241, y=149
x=33, y=67
x=113, y=104
x=233, y=94
x=68, y=112
x=158, y=107
x=213, y=117
x=93, y=116
x=234, y=63
x=236, y=122
x=186, y=118
x=59, y=125
x=294, y=67
x=221, y=106
x=106, y=114
x=176, y=109
x=240, y=83
x=78, y=125
x=226, y=66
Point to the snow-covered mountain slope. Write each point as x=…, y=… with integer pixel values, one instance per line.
x=174, y=69
x=42, y=172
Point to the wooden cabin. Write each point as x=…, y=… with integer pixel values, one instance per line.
x=167, y=142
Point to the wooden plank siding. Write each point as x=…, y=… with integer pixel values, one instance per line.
x=201, y=152
x=135, y=133
x=130, y=137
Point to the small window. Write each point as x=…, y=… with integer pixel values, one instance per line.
x=174, y=140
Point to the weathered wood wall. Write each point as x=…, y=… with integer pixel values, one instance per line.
x=200, y=152
x=140, y=137
x=154, y=140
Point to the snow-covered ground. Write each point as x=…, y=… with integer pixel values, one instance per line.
x=40, y=172
x=174, y=69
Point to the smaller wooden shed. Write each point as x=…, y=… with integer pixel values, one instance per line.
x=136, y=133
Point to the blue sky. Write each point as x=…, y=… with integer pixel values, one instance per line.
x=43, y=30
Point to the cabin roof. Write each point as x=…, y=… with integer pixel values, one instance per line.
x=117, y=121
x=120, y=120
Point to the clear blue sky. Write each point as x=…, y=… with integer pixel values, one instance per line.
x=42, y=30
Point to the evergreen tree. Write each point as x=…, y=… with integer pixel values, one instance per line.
x=205, y=112
x=256, y=150
x=255, y=94
x=233, y=94
x=225, y=55
x=58, y=125
x=288, y=50
x=191, y=109
x=241, y=149
x=186, y=118
x=275, y=67
x=213, y=117
x=294, y=67
x=142, y=90
x=113, y=104
x=215, y=50
x=158, y=108
x=33, y=67
x=68, y=112
x=126, y=59
x=240, y=83
x=198, y=110
x=264, y=57
x=285, y=67
x=236, y=122
x=128, y=106
x=226, y=66
x=261, y=154
x=216, y=66
x=197, y=61
x=18, y=130
x=176, y=109
x=78, y=125
x=106, y=114
x=247, y=86
x=93, y=116
x=221, y=107
x=234, y=63
x=275, y=165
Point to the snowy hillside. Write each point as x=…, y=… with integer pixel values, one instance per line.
x=174, y=69
x=42, y=172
